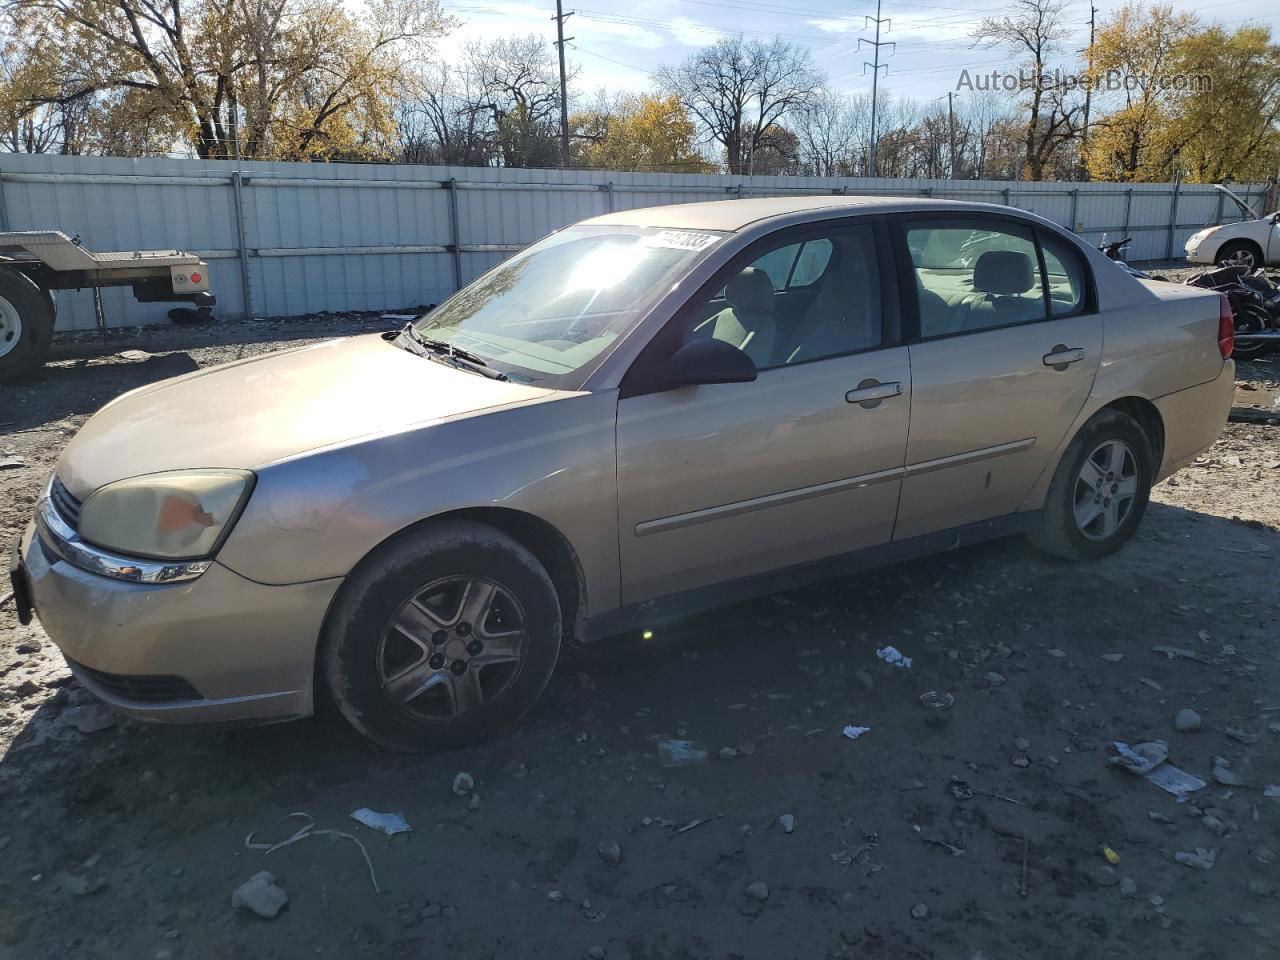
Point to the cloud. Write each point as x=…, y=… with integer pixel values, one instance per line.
x=691, y=33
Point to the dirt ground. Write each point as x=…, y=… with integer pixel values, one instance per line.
x=978, y=832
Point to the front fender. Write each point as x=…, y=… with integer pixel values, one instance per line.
x=315, y=516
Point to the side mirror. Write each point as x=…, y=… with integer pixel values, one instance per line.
x=706, y=361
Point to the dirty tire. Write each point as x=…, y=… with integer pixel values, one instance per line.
x=352, y=644
x=27, y=351
x=1059, y=533
x=1241, y=252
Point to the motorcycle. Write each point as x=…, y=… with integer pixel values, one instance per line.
x=1255, y=302
x=1114, y=251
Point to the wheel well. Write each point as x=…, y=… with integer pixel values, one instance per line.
x=541, y=539
x=1240, y=241
x=1148, y=417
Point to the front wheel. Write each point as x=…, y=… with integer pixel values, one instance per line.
x=1238, y=253
x=1099, y=491
x=442, y=638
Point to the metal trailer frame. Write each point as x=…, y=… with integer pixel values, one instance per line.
x=53, y=261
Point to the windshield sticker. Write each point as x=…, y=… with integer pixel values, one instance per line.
x=681, y=240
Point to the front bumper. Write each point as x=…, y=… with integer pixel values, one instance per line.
x=239, y=650
x=1202, y=250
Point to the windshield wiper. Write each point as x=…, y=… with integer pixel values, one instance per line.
x=447, y=351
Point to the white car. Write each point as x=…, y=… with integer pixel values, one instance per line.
x=1249, y=243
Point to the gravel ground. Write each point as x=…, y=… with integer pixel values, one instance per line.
x=981, y=831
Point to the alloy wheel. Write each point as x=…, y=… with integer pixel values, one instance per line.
x=1105, y=489
x=1241, y=258
x=451, y=647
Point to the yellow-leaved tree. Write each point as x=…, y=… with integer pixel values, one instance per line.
x=646, y=133
x=271, y=79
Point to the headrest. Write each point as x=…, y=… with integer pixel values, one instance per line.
x=1003, y=272
x=750, y=290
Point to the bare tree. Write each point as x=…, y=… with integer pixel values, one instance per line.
x=1035, y=30
x=737, y=89
x=828, y=133
x=448, y=121
x=522, y=94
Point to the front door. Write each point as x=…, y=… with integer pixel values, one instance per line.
x=1003, y=360
x=727, y=480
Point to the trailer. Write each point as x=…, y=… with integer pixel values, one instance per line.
x=35, y=263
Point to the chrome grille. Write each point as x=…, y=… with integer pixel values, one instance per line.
x=68, y=507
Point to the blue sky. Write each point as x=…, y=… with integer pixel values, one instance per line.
x=618, y=45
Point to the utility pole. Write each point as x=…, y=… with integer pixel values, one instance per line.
x=560, y=18
x=875, y=72
x=1088, y=94
x=951, y=133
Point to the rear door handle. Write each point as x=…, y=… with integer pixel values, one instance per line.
x=1061, y=355
x=871, y=391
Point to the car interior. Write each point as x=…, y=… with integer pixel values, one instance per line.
x=802, y=301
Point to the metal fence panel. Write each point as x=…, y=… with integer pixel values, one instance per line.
x=337, y=237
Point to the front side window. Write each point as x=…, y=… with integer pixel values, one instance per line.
x=797, y=301
x=974, y=275
x=548, y=314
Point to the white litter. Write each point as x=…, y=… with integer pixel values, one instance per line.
x=308, y=830
x=853, y=733
x=388, y=823
x=1148, y=760
x=893, y=656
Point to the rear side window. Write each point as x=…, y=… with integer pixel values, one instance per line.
x=1064, y=271
x=974, y=275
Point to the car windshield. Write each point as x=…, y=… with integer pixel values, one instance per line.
x=549, y=314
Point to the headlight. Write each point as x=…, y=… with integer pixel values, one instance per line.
x=174, y=516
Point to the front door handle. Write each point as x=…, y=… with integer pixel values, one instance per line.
x=1061, y=355
x=871, y=391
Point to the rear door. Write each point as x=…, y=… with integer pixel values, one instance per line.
x=728, y=480
x=1005, y=342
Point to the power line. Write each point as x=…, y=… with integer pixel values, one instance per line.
x=560, y=41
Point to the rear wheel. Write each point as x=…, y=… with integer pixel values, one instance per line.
x=26, y=325
x=442, y=638
x=1099, y=492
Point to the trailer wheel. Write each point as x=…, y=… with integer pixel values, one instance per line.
x=26, y=325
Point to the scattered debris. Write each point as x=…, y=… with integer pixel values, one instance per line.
x=1200, y=859
x=937, y=701
x=308, y=830
x=1128, y=886
x=728, y=753
x=1141, y=758
x=463, y=783
x=261, y=895
x=919, y=912
x=1187, y=720
x=610, y=852
x=388, y=823
x=757, y=890
x=133, y=355
x=1226, y=777
x=894, y=657
x=12, y=463
x=787, y=822
x=1112, y=857
x=1113, y=657
x=680, y=753
x=1181, y=653
x=90, y=718
x=1271, y=790
x=695, y=823
x=853, y=733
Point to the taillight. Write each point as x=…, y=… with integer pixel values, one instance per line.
x=1226, y=326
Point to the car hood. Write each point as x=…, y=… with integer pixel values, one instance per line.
x=256, y=411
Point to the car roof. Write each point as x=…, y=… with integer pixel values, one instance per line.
x=734, y=215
